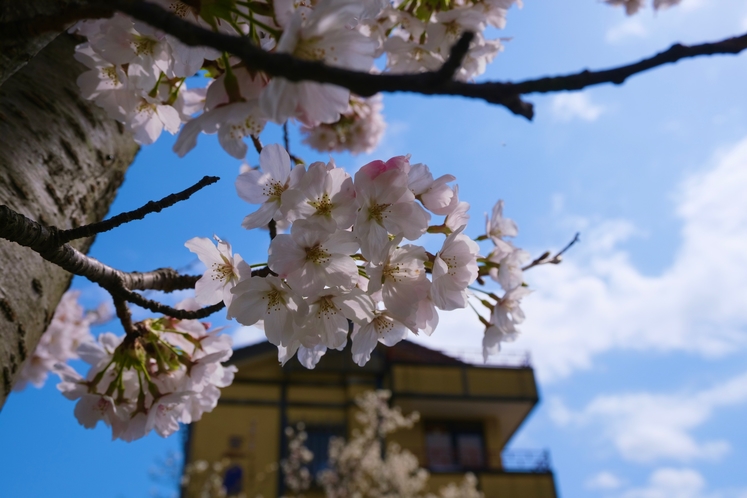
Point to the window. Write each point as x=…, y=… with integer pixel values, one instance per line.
x=454, y=445
x=318, y=443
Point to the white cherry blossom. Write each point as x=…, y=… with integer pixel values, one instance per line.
x=310, y=258
x=325, y=35
x=232, y=120
x=505, y=315
x=386, y=206
x=358, y=130
x=459, y=216
x=223, y=272
x=266, y=186
x=509, y=273
x=329, y=312
x=325, y=195
x=436, y=195
x=454, y=268
x=384, y=328
x=271, y=300
x=401, y=278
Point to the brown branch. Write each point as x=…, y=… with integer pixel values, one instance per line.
x=45, y=241
x=124, y=315
x=507, y=94
x=137, y=214
x=157, y=307
x=554, y=260
x=427, y=83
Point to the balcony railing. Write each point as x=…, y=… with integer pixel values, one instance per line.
x=526, y=460
x=516, y=359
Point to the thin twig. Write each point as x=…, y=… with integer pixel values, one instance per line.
x=286, y=138
x=157, y=307
x=545, y=258
x=257, y=144
x=137, y=214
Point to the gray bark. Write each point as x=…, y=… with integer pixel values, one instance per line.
x=17, y=50
x=61, y=163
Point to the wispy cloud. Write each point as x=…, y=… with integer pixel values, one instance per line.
x=631, y=27
x=670, y=483
x=570, y=106
x=647, y=427
x=603, y=481
x=598, y=301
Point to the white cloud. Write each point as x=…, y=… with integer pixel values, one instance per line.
x=631, y=27
x=670, y=483
x=570, y=106
x=646, y=427
x=603, y=481
x=597, y=301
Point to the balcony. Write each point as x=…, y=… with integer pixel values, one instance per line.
x=525, y=474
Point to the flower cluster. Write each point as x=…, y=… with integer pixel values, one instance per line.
x=70, y=327
x=165, y=372
x=344, y=260
x=504, y=265
x=295, y=468
x=358, y=130
x=138, y=74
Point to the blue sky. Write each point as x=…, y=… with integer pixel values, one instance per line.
x=638, y=339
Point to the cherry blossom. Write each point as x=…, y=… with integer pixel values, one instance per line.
x=384, y=328
x=267, y=186
x=269, y=299
x=310, y=258
x=386, y=206
x=325, y=196
x=401, y=277
x=359, y=129
x=223, y=271
x=509, y=273
x=324, y=35
x=329, y=312
x=66, y=333
x=454, y=268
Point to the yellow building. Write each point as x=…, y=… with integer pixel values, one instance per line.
x=468, y=415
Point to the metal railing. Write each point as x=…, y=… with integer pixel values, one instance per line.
x=526, y=460
x=474, y=356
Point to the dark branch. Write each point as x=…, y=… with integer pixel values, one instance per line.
x=456, y=57
x=45, y=241
x=553, y=260
x=428, y=83
x=124, y=315
x=157, y=307
x=365, y=84
x=137, y=214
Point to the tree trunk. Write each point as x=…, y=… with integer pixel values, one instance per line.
x=61, y=163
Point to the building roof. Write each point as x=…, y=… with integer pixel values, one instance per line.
x=403, y=352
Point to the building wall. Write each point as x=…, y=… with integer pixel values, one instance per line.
x=246, y=427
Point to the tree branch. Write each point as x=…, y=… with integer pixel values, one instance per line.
x=157, y=307
x=554, y=260
x=507, y=94
x=137, y=214
x=45, y=241
x=365, y=84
